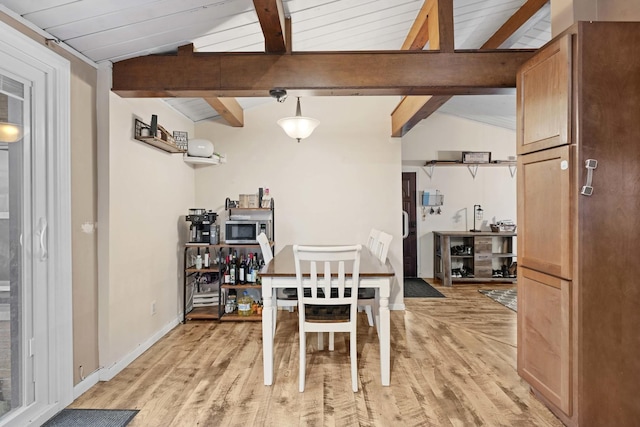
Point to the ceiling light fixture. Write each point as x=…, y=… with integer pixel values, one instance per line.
x=298, y=127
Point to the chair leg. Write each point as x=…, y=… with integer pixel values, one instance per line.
x=303, y=359
x=369, y=311
x=320, y=340
x=354, y=361
x=331, y=341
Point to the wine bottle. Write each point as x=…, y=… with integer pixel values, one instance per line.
x=232, y=272
x=225, y=271
x=207, y=258
x=242, y=270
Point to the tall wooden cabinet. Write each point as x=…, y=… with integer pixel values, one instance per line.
x=578, y=99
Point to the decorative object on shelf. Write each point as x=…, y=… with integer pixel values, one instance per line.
x=477, y=216
x=155, y=135
x=476, y=157
x=9, y=132
x=199, y=148
x=505, y=225
x=298, y=127
x=181, y=138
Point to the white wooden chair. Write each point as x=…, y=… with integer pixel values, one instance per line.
x=373, y=238
x=282, y=300
x=367, y=296
x=326, y=307
x=382, y=246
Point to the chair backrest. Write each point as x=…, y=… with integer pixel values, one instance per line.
x=323, y=268
x=373, y=239
x=382, y=246
x=267, y=254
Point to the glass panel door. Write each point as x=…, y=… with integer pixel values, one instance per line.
x=19, y=235
x=36, y=354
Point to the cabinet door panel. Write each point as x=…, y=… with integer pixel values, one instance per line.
x=544, y=98
x=545, y=235
x=544, y=335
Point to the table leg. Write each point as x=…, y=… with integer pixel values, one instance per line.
x=385, y=340
x=267, y=330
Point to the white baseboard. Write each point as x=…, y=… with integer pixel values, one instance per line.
x=84, y=385
x=396, y=307
x=107, y=373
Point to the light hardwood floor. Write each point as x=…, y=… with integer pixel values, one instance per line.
x=453, y=363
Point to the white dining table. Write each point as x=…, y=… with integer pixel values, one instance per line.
x=280, y=272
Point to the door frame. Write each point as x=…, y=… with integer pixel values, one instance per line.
x=53, y=130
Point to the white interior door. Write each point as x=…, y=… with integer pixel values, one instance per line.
x=35, y=277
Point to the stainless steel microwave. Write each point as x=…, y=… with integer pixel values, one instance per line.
x=242, y=232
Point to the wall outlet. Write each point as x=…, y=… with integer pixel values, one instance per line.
x=153, y=308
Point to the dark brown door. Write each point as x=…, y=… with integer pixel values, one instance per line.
x=409, y=244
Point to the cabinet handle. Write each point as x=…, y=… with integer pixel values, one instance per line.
x=587, y=189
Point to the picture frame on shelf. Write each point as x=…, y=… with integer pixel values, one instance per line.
x=476, y=157
x=181, y=138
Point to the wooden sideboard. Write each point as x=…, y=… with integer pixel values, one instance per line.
x=465, y=256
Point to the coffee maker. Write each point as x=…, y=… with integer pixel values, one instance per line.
x=202, y=225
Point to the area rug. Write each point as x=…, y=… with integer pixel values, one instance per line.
x=506, y=297
x=418, y=288
x=91, y=418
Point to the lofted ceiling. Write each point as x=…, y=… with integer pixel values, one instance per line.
x=115, y=30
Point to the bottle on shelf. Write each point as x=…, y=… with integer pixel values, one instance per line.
x=242, y=271
x=244, y=304
x=251, y=271
x=225, y=271
x=198, y=261
x=232, y=272
x=207, y=258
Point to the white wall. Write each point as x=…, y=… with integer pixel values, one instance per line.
x=149, y=192
x=331, y=188
x=493, y=187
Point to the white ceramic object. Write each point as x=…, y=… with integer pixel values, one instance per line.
x=200, y=148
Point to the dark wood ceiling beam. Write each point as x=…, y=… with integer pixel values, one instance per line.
x=441, y=35
x=437, y=17
x=412, y=109
x=516, y=21
x=419, y=33
x=319, y=73
x=406, y=116
x=271, y=17
x=229, y=109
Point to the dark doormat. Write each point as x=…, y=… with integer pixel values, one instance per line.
x=414, y=287
x=91, y=418
x=506, y=297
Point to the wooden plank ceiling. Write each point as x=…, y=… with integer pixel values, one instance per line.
x=119, y=30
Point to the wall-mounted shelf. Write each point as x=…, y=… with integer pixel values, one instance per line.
x=473, y=167
x=166, y=144
x=213, y=160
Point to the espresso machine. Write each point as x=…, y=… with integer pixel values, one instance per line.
x=203, y=227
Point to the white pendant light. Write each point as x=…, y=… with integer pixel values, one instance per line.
x=298, y=127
